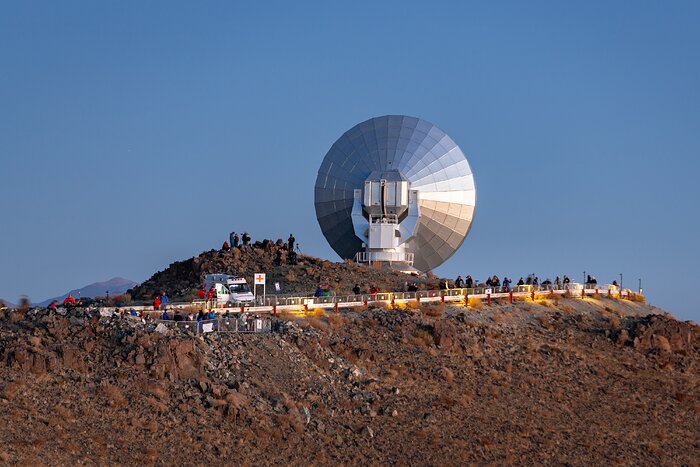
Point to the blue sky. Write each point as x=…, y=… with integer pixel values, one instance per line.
x=134, y=134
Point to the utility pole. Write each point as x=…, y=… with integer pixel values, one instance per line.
x=620, y=281
x=584, y=277
x=640, y=285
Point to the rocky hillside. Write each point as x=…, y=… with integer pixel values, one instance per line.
x=578, y=382
x=182, y=279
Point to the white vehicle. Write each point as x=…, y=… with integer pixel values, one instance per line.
x=229, y=289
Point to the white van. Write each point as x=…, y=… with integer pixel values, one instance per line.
x=229, y=289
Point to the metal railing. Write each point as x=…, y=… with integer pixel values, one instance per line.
x=239, y=323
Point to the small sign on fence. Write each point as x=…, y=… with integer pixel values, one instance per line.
x=207, y=327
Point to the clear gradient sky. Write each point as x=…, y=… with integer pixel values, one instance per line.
x=137, y=133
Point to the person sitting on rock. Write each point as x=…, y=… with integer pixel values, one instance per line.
x=356, y=289
x=165, y=316
x=246, y=239
x=225, y=246
x=521, y=282
x=69, y=301
x=53, y=305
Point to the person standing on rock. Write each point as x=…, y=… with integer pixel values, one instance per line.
x=290, y=242
x=235, y=240
x=470, y=282
x=356, y=289
x=246, y=239
x=202, y=293
x=231, y=236
x=156, y=303
x=164, y=301
x=459, y=283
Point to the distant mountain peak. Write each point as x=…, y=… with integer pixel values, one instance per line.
x=115, y=286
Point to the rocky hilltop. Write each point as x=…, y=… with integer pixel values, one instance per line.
x=570, y=381
x=182, y=279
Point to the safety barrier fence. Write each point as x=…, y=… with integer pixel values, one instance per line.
x=238, y=323
x=273, y=304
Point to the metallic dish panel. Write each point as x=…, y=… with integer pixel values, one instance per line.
x=427, y=157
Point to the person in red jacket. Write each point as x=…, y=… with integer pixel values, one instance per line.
x=53, y=305
x=156, y=303
x=225, y=246
x=202, y=293
x=69, y=300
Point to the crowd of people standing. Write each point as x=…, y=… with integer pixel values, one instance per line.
x=530, y=280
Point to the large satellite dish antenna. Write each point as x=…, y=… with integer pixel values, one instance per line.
x=395, y=190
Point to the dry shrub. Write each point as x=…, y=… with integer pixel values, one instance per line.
x=445, y=400
x=475, y=303
x=316, y=312
x=614, y=321
x=399, y=306
x=317, y=323
x=359, y=308
x=9, y=391
x=421, y=338
x=371, y=323
x=544, y=321
x=637, y=297
x=336, y=319
x=113, y=394
x=433, y=310
x=566, y=307
x=498, y=317
x=446, y=374
x=413, y=305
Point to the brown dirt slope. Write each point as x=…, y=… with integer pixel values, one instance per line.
x=579, y=382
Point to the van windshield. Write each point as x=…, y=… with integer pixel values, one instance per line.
x=239, y=288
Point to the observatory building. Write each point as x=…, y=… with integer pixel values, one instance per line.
x=397, y=192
